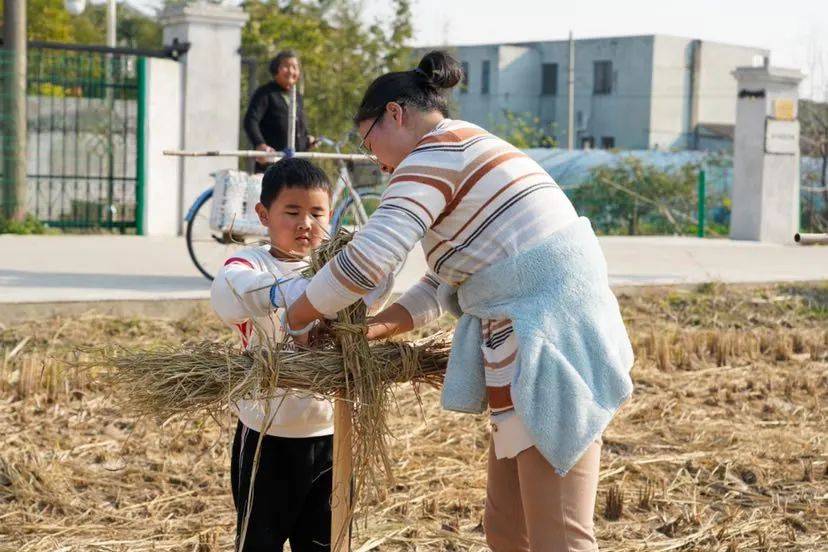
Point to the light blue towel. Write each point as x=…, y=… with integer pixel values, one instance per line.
x=574, y=354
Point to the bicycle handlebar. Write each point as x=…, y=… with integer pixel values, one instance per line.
x=325, y=141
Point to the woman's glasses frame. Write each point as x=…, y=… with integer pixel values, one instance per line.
x=365, y=149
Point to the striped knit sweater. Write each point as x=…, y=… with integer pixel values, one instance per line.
x=470, y=197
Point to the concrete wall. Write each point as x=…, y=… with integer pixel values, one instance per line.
x=474, y=106
x=552, y=109
x=67, y=162
x=624, y=113
x=651, y=104
x=516, y=86
x=673, y=125
x=671, y=108
x=163, y=186
x=718, y=87
x=518, y=78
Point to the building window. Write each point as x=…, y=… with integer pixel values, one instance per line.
x=587, y=142
x=484, y=77
x=549, y=79
x=464, y=84
x=603, y=78
x=607, y=142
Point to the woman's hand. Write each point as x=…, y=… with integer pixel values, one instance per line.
x=392, y=321
x=301, y=313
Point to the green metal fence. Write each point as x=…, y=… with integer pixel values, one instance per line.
x=83, y=144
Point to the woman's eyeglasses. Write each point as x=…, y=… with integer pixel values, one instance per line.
x=365, y=149
x=362, y=147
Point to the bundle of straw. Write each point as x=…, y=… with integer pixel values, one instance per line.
x=201, y=379
x=205, y=378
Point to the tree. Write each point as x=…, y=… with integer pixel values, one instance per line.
x=813, y=118
x=523, y=131
x=48, y=20
x=340, y=54
x=632, y=198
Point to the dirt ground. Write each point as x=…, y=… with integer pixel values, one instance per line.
x=722, y=447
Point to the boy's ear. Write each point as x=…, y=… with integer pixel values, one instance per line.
x=261, y=210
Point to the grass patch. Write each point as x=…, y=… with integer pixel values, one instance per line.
x=29, y=225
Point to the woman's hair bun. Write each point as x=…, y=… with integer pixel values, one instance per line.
x=440, y=69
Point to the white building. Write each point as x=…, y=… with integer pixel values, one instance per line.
x=640, y=92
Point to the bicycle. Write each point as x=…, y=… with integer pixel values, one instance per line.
x=214, y=231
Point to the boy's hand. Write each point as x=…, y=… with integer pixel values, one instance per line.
x=302, y=312
x=317, y=338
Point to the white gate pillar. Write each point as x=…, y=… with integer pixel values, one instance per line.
x=766, y=155
x=212, y=86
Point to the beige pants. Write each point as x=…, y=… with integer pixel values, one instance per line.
x=530, y=507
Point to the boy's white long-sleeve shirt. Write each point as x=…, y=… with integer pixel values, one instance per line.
x=241, y=296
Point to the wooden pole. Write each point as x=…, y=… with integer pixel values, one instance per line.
x=702, y=199
x=342, y=471
x=14, y=170
x=570, y=86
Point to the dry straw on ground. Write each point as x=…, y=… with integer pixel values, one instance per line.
x=721, y=448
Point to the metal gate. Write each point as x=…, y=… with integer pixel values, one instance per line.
x=85, y=144
x=83, y=148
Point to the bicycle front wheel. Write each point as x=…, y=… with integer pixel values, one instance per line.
x=210, y=248
x=347, y=215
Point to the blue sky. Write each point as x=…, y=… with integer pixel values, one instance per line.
x=796, y=31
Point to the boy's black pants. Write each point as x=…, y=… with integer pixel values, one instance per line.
x=292, y=495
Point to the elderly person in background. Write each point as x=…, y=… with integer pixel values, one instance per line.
x=267, y=116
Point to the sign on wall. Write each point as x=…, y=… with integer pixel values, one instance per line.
x=782, y=137
x=784, y=109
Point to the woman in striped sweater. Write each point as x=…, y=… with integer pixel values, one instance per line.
x=472, y=199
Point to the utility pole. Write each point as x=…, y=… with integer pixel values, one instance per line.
x=111, y=23
x=111, y=41
x=570, y=133
x=14, y=146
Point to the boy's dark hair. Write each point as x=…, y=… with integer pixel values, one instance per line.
x=282, y=56
x=292, y=172
x=423, y=88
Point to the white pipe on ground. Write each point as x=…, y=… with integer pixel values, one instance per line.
x=811, y=239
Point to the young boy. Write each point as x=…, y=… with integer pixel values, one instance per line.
x=291, y=499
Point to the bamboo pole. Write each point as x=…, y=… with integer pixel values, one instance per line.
x=341, y=503
x=275, y=155
x=291, y=137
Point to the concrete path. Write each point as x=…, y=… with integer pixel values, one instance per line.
x=86, y=269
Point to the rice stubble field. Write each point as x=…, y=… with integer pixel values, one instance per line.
x=722, y=447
